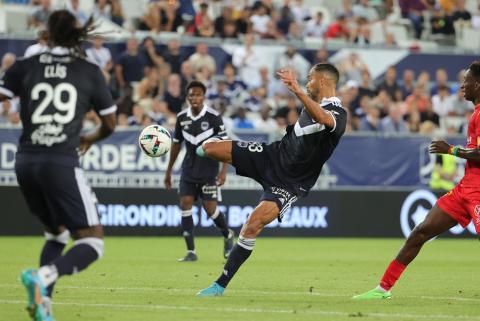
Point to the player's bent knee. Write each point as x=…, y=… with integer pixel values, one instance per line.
x=59, y=238
x=96, y=243
x=419, y=235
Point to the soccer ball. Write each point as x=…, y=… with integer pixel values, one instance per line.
x=155, y=141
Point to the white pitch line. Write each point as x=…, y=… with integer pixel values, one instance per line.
x=255, y=310
x=255, y=292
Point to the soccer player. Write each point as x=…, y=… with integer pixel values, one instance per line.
x=56, y=89
x=200, y=176
x=459, y=206
x=286, y=169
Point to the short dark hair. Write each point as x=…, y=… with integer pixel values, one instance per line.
x=197, y=84
x=328, y=68
x=64, y=32
x=475, y=68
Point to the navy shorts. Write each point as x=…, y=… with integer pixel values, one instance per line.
x=208, y=191
x=252, y=159
x=58, y=195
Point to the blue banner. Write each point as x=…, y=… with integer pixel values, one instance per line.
x=359, y=161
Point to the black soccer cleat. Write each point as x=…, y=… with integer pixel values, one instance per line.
x=190, y=257
x=228, y=243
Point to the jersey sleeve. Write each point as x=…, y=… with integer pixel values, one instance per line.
x=339, y=116
x=177, y=134
x=102, y=100
x=11, y=81
x=219, y=128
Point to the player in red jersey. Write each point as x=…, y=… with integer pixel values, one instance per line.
x=460, y=205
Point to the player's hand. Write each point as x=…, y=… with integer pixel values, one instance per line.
x=289, y=78
x=221, y=178
x=168, y=180
x=438, y=147
x=85, y=145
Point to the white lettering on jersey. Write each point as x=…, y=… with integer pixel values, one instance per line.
x=55, y=71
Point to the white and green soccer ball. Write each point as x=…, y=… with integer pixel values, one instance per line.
x=155, y=140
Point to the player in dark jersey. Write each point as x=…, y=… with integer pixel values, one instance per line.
x=200, y=176
x=459, y=206
x=56, y=89
x=286, y=169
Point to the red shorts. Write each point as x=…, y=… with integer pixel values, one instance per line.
x=463, y=205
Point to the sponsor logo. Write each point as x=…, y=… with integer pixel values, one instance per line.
x=204, y=125
x=242, y=144
x=415, y=208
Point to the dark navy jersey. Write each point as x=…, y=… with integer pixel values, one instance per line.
x=194, y=130
x=307, y=146
x=56, y=89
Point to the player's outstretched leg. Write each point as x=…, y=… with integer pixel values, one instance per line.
x=220, y=150
x=263, y=214
x=87, y=248
x=221, y=223
x=436, y=222
x=186, y=204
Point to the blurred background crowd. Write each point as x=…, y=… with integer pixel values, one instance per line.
x=148, y=78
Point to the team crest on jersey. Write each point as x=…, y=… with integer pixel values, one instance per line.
x=204, y=125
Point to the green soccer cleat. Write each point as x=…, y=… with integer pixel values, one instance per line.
x=228, y=243
x=36, y=296
x=375, y=294
x=213, y=290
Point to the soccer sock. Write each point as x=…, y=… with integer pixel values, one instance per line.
x=220, y=222
x=52, y=249
x=187, y=226
x=84, y=252
x=239, y=254
x=392, y=274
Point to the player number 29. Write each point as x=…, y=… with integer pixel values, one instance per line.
x=54, y=94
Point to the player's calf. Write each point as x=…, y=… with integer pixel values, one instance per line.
x=220, y=150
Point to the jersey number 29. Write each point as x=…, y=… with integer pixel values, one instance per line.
x=66, y=109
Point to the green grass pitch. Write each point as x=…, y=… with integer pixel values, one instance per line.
x=285, y=279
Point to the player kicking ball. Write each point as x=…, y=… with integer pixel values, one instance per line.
x=286, y=169
x=56, y=89
x=200, y=176
x=459, y=206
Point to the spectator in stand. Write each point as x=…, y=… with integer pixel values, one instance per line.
x=260, y=19
x=226, y=16
x=235, y=85
x=390, y=85
x=102, y=9
x=430, y=116
x=441, y=80
x=408, y=83
x=363, y=9
x=206, y=28
x=117, y=13
x=301, y=12
x=448, y=6
x=441, y=23
x=413, y=10
x=101, y=56
x=265, y=123
x=203, y=12
x=201, y=58
x=186, y=75
x=338, y=29
x=291, y=107
x=413, y=121
x=172, y=55
x=442, y=102
x=351, y=67
x=371, y=121
x=152, y=58
x=254, y=100
x=218, y=96
x=173, y=95
x=40, y=16
x=321, y=55
x=230, y=30
x=315, y=27
x=294, y=31
x=424, y=79
x=138, y=116
x=8, y=60
x=130, y=66
x=9, y=108
x=390, y=41
x=366, y=87
x=151, y=20
x=40, y=46
x=394, y=123
x=284, y=20
x=148, y=89
x=361, y=35
x=74, y=7
x=461, y=106
x=418, y=100
x=246, y=60
x=461, y=13
x=241, y=121
x=291, y=59
x=244, y=25
x=159, y=112
x=170, y=16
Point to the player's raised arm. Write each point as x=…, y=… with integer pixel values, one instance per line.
x=326, y=80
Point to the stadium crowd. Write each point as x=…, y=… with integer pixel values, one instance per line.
x=149, y=83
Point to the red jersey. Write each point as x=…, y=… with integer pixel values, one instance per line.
x=472, y=170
